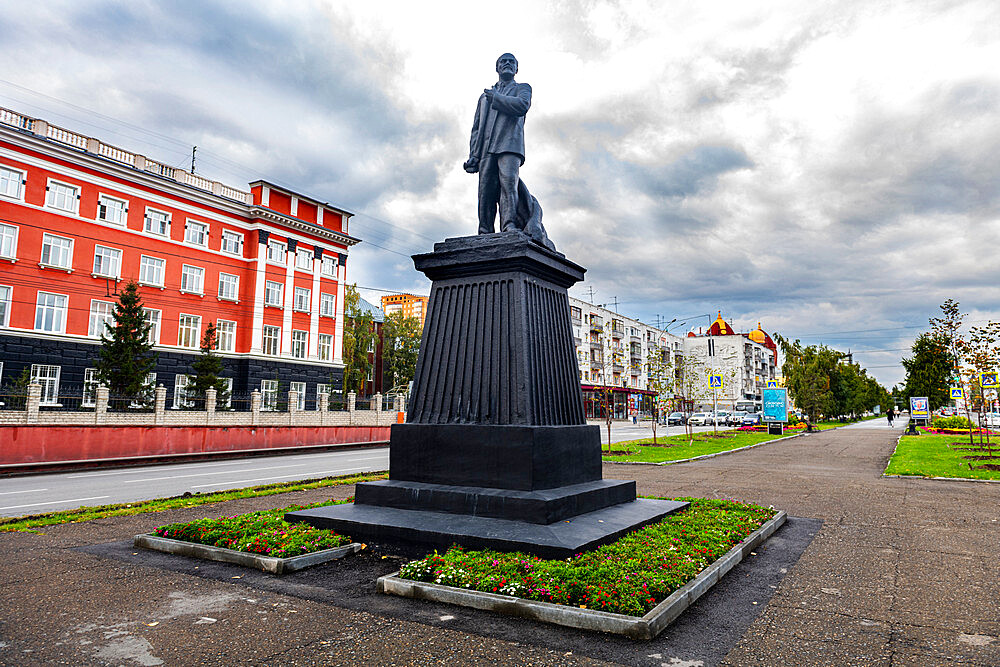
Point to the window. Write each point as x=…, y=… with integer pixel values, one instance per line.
x=325, y=347
x=151, y=271
x=50, y=312
x=575, y=312
x=225, y=331
x=276, y=252
x=301, y=301
x=196, y=233
x=11, y=182
x=181, y=399
x=299, y=341
x=57, y=251
x=329, y=266
x=48, y=377
x=146, y=396
x=188, y=330
x=112, y=210
x=272, y=339
x=269, y=394
x=5, y=299
x=232, y=242
x=327, y=305
x=304, y=259
x=61, y=196
x=8, y=241
x=192, y=279
x=229, y=286
x=107, y=262
x=225, y=402
x=300, y=389
x=322, y=395
x=152, y=317
x=272, y=293
x=100, y=314
x=157, y=222
x=89, y=387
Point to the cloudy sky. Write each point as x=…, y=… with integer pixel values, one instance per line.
x=830, y=169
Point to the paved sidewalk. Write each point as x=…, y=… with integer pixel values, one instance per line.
x=901, y=572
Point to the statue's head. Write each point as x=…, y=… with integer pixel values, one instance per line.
x=507, y=66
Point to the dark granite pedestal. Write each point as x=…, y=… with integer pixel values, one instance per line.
x=496, y=452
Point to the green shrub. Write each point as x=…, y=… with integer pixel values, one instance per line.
x=954, y=421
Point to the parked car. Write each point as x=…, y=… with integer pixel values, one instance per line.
x=676, y=419
x=992, y=419
x=736, y=418
x=751, y=419
x=700, y=419
x=721, y=418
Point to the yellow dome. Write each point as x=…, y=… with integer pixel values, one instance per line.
x=758, y=335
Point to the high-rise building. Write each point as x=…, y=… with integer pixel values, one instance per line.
x=408, y=304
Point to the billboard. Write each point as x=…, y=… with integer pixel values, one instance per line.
x=919, y=407
x=775, y=405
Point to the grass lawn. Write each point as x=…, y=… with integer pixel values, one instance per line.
x=679, y=447
x=629, y=576
x=930, y=456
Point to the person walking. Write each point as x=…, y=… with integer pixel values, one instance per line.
x=889, y=414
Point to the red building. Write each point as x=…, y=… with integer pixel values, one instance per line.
x=78, y=217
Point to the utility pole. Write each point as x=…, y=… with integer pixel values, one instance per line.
x=194, y=149
x=590, y=289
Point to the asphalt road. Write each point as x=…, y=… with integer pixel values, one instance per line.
x=51, y=492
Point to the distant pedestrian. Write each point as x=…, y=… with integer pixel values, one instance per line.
x=635, y=417
x=890, y=415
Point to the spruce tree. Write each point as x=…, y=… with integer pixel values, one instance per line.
x=125, y=357
x=207, y=369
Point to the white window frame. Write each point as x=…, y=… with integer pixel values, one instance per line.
x=13, y=177
x=327, y=305
x=192, y=279
x=56, y=190
x=152, y=316
x=272, y=287
x=53, y=242
x=322, y=394
x=277, y=252
x=147, y=261
x=329, y=266
x=228, y=236
x=111, y=255
x=271, y=344
x=8, y=241
x=300, y=343
x=100, y=314
x=300, y=390
x=90, y=385
x=269, y=395
x=324, y=347
x=186, y=326
x=106, y=204
x=6, y=301
x=49, y=382
x=229, y=394
x=227, y=279
x=58, y=315
x=147, y=222
x=181, y=399
x=225, y=335
x=190, y=227
x=300, y=303
x=304, y=260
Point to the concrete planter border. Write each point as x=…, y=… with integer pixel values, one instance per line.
x=256, y=561
x=646, y=627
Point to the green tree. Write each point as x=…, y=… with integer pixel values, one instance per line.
x=359, y=338
x=125, y=358
x=810, y=372
x=930, y=369
x=400, y=347
x=15, y=391
x=208, y=369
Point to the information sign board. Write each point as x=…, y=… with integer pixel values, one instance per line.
x=919, y=407
x=775, y=405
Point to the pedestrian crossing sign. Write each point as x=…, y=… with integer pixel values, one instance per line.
x=989, y=380
x=772, y=384
x=715, y=381
x=956, y=392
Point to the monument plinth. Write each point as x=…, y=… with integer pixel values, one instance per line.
x=496, y=452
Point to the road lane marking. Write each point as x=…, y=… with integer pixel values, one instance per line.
x=7, y=493
x=265, y=479
x=54, y=502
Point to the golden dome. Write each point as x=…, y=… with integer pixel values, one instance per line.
x=758, y=335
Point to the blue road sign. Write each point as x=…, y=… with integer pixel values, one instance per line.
x=956, y=392
x=989, y=380
x=772, y=384
x=715, y=381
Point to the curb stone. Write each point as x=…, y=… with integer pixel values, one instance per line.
x=256, y=561
x=646, y=627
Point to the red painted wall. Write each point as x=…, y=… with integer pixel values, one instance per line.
x=46, y=444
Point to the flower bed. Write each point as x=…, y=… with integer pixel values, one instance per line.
x=264, y=533
x=629, y=576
